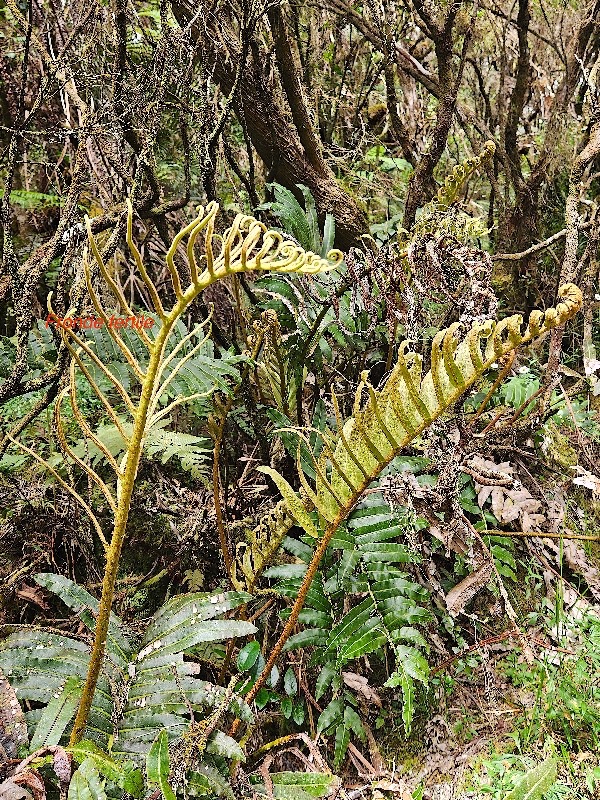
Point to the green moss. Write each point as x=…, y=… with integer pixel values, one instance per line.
x=558, y=447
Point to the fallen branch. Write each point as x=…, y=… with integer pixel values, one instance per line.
x=537, y=247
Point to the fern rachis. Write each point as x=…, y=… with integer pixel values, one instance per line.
x=390, y=419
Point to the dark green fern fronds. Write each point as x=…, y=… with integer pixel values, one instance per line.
x=361, y=602
x=145, y=683
x=301, y=223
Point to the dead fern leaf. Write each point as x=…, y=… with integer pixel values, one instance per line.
x=510, y=501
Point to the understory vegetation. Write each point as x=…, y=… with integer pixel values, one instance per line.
x=299, y=433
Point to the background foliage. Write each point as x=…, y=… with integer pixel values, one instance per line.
x=451, y=150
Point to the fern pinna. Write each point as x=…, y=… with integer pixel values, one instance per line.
x=365, y=568
x=388, y=420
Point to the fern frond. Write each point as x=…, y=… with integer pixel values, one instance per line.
x=143, y=685
x=264, y=541
x=368, y=562
x=393, y=417
x=440, y=217
x=275, y=383
x=407, y=404
x=453, y=184
x=245, y=246
x=365, y=572
x=404, y=408
x=192, y=451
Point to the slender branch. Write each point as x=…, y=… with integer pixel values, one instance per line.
x=153, y=419
x=131, y=359
x=217, y=434
x=66, y=332
x=542, y=535
x=68, y=451
x=570, y=262
x=87, y=431
x=162, y=387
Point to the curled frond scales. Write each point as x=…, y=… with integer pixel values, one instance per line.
x=247, y=245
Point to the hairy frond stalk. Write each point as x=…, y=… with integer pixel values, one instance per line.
x=246, y=246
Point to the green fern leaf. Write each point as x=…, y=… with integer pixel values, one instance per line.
x=124, y=775
x=314, y=243
x=157, y=766
x=222, y=745
x=291, y=215
x=192, y=451
x=342, y=740
x=86, y=784
x=118, y=645
x=156, y=683
x=57, y=715
x=408, y=708
x=310, y=637
x=369, y=640
x=328, y=234
x=206, y=781
x=536, y=783
x=324, y=680
x=39, y=663
x=330, y=716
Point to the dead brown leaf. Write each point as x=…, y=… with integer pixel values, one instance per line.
x=461, y=594
x=360, y=684
x=32, y=781
x=33, y=594
x=510, y=501
x=574, y=556
x=9, y=790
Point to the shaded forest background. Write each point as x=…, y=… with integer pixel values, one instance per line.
x=451, y=151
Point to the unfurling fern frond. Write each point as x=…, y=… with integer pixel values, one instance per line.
x=264, y=541
x=275, y=381
x=440, y=216
x=155, y=366
x=449, y=190
x=389, y=420
x=407, y=405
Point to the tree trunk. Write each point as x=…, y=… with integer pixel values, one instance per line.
x=277, y=118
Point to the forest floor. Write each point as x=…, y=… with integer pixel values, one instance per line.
x=487, y=718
